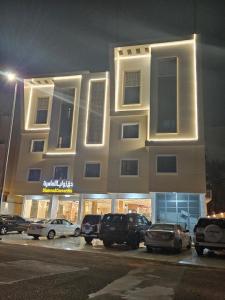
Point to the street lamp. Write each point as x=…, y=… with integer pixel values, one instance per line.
x=11, y=77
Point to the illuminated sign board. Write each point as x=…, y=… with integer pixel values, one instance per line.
x=57, y=186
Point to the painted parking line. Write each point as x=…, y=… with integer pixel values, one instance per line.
x=21, y=270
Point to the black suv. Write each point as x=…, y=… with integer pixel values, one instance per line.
x=123, y=228
x=90, y=227
x=12, y=223
x=209, y=234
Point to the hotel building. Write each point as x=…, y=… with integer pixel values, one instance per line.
x=127, y=140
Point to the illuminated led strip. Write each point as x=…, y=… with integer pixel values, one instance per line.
x=126, y=107
x=105, y=111
x=132, y=56
x=175, y=43
x=67, y=77
x=65, y=151
x=195, y=138
x=61, y=153
x=29, y=108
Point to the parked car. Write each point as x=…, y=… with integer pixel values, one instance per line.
x=123, y=228
x=52, y=228
x=209, y=234
x=11, y=223
x=90, y=227
x=171, y=236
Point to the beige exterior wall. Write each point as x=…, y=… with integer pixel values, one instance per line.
x=190, y=177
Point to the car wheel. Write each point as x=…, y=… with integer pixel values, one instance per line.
x=189, y=244
x=3, y=230
x=77, y=232
x=134, y=243
x=107, y=243
x=199, y=250
x=178, y=246
x=51, y=235
x=36, y=237
x=88, y=240
x=149, y=249
x=20, y=232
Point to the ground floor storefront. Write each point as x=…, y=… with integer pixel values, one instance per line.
x=182, y=208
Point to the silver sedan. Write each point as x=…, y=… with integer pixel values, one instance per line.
x=171, y=236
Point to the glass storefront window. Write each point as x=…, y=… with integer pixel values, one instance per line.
x=178, y=208
x=36, y=209
x=97, y=207
x=140, y=206
x=68, y=210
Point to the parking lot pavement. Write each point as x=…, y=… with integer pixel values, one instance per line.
x=187, y=257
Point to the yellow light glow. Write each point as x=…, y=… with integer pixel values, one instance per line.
x=105, y=111
x=67, y=77
x=39, y=86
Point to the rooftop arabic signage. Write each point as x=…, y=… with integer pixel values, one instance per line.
x=56, y=186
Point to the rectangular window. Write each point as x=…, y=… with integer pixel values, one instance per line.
x=166, y=164
x=92, y=170
x=61, y=172
x=96, y=113
x=167, y=95
x=129, y=167
x=132, y=87
x=130, y=131
x=34, y=175
x=42, y=110
x=37, y=145
x=66, y=98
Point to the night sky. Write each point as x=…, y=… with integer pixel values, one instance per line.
x=53, y=36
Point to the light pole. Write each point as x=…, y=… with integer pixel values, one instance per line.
x=11, y=77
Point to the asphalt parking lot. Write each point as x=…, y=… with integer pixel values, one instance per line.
x=187, y=257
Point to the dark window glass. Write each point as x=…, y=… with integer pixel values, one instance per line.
x=92, y=170
x=66, y=98
x=34, y=175
x=42, y=110
x=167, y=95
x=38, y=146
x=130, y=131
x=41, y=116
x=96, y=113
x=129, y=167
x=60, y=173
x=132, y=87
x=166, y=164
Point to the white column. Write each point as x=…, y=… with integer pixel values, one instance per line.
x=203, y=208
x=80, y=208
x=54, y=206
x=113, y=203
x=153, y=206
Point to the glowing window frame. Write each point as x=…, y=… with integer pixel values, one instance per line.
x=195, y=89
x=105, y=111
x=67, y=151
x=27, y=120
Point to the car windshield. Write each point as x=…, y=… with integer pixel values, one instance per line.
x=207, y=221
x=113, y=219
x=162, y=227
x=44, y=221
x=92, y=219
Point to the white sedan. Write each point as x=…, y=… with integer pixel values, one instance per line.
x=171, y=236
x=52, y=228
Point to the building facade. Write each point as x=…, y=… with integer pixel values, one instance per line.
x=127, y=140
